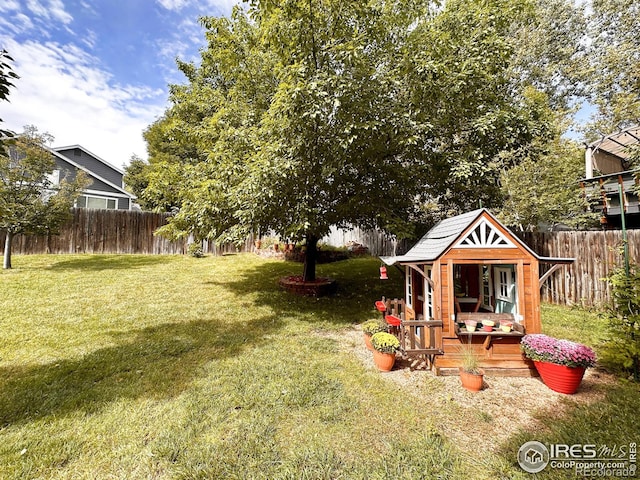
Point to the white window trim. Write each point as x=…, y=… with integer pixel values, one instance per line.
x=409, y=288
x=508, y=285
x=428, y=293
x=98, y=197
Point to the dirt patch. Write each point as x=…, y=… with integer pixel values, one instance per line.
x=489, y=417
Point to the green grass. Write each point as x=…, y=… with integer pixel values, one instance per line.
x=177, y=367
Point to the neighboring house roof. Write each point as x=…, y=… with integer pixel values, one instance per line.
x=118, y=189
x=448, y=232
x=71, y=147
x=611, y=152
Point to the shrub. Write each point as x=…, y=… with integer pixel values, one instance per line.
x=371, y=327
x=195, y=250
x=385, y=342
x=621, y=350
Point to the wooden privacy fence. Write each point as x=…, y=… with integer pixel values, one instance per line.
x=102, y=231
x=596, y=253
x=113, y=231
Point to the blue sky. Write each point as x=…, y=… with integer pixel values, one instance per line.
x=96, y=72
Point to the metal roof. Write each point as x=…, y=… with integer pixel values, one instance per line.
x=617, y=144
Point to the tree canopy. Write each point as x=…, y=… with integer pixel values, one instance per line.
x=7, y=76
x=304, y=114
x=30, y=202
x=613, y=70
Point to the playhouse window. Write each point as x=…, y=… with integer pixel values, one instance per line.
x=504, y=284
x=487, y=287
x=409, y=294
x=428, y=294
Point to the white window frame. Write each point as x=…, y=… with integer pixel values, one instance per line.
x=107, y=200
x=428, y=293
x=486, y=284
x=409, y=288
x=504, y=284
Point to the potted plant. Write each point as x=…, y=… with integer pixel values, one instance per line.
x=560, y=363
x=471, y=375
x=506, y=325
x=370, y=328
x=487, y=325
x=385, y=347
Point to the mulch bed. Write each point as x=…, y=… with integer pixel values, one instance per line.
x=320, y=287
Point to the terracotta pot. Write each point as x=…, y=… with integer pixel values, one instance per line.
x=471, y=381
x=367, y=341
x=560, y=378
x=384, y=361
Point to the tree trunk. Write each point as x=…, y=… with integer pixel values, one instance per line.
x=7, y=250
x=310, y=259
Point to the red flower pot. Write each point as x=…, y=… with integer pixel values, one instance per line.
x=367, y=341
x=560, y=378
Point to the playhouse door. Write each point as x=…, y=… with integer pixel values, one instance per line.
x=505, y=289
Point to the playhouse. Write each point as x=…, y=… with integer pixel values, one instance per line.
x=471, y=267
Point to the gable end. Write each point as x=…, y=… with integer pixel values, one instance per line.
x=483, y=234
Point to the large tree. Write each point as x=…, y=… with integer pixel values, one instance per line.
x=30, y=202
x=7, y=76
x=613, y=72
x=544, y=190
x=309, y=113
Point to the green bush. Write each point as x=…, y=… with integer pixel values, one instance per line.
x=385, y=342
x=195, y=250
x=622, y=347
x=371, y=327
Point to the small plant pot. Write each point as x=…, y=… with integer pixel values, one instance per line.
x=384, y=361
x=367, y=341
x=506, y=326
x=471, y=381
x=471, y=325
x=487, y=325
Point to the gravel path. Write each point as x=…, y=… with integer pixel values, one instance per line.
x=457, y=409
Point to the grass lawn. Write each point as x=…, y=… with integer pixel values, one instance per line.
x=177, y=367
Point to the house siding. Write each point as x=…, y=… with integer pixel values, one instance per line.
x=109, y=173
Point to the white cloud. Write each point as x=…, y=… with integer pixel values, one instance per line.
x=209, y=7
x=54, y=10
x=17, y=24
x=173, y=4
x=9, y=5
x=63, y=91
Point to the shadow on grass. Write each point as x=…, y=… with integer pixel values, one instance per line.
x=155, y=362
x=611, y=422
x=359, y=286
x=110, y=262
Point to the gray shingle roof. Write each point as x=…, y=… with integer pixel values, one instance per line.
x=446, y=232
x=438, y=239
